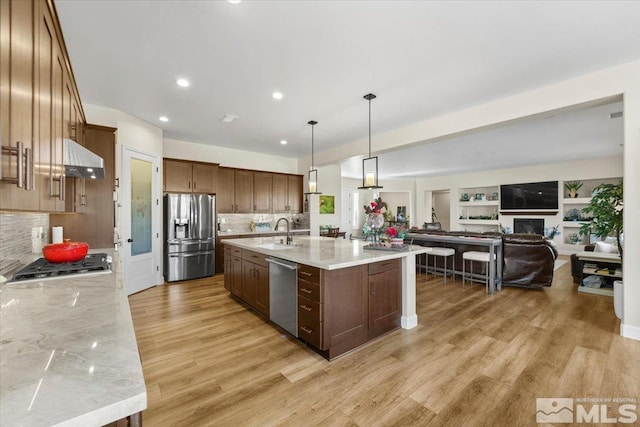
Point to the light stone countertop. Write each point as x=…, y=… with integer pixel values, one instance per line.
x=68, y=352
x=323, y=252
x=249, y=233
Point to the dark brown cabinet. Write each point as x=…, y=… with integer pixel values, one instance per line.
x=262, y=197
x=384, y=297
x=255, y=281
x=181, y=176
x=338, y=310
x=287, y=193
x=39, y=107
x=233, y=267
x=235, y=193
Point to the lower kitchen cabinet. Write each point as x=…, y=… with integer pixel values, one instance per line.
x=233, y=266
x=339, y=310
x=255, y=281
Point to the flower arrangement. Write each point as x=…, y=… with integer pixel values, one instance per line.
x=396, y=232
x=375, y=219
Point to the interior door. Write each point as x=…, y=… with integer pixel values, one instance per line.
x=140, y=220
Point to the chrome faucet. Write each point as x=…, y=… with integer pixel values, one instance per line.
x=289, y=238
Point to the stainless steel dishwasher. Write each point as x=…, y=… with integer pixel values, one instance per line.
x=283, y=294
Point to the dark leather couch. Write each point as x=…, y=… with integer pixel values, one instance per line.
x=528, y=259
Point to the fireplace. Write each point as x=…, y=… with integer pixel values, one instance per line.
x=528, y=226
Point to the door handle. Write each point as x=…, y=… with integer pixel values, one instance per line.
x=130, y=240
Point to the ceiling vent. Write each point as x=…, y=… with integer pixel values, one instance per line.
x=616, y=115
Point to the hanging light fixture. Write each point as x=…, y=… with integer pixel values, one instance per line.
x=313, y=172
x=370, y=164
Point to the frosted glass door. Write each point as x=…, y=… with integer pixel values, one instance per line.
x=141, y=199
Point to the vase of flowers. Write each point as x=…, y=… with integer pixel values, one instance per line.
x=374, y=221
x=396, y=235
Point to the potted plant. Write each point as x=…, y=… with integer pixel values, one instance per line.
x=606, y=207
x=573, y=187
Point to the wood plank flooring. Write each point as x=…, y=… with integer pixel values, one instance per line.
x=473, y=360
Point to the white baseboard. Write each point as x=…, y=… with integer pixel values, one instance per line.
x=409, y=322
x=629, y=331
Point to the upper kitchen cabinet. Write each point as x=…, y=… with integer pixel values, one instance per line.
x=17, y=47
x=235, y=191
x=287, y=193
x=39, y=106
x=181, y=176
x=262, y=192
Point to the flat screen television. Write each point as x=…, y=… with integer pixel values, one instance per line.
x=529, y=196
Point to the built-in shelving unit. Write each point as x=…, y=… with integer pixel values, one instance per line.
x=571, y=238
x=479, y=213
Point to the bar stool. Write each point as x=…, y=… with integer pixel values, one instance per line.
x=441, y=252
x=476, y=256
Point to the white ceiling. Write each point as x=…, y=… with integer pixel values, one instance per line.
x=422, y=60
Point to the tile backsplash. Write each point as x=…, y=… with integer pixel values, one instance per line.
x=21, y=235
x=240, y=222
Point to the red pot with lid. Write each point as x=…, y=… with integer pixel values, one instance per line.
x=65, y=252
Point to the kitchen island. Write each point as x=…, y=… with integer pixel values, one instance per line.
x=68, y=352
x=346, y=294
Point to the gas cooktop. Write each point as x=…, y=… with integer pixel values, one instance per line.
x=43, y=269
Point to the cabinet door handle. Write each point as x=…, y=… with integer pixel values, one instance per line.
x=195, y=184
x=304, y=273
x=189, y=185
x=28, y=154
x=63, y=187
x=307, y=330
x=304, y=307
x=372, y=289
x=305, y=290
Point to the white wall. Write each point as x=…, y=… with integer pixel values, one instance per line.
x=138, y=135
x=329, y=183
x=228, y=156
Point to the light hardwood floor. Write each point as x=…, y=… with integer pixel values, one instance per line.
x=473, y=360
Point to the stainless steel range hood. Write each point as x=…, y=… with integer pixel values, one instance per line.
x=80, y=162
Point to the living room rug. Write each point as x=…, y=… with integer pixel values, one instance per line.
x=558, y=263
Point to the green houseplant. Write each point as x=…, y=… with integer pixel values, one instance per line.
x=606, y=207
x=573, y=187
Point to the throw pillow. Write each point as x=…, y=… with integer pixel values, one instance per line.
x=606, y=248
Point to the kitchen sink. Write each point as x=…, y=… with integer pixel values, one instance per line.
x=276, y=246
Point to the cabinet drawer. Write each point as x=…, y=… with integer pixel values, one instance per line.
x=233, y=250
x=255, y=257
x=309, y=330
x=310, y=274
x=308, y=290
x=310, y=309
x=382, y=266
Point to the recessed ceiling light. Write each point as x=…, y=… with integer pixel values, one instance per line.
x=163, y=118
x=183, y=82
x=283, y=142
x=228, y=118
x=277, y=95
x=234, y=1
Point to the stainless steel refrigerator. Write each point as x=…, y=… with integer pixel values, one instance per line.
x=189, y=236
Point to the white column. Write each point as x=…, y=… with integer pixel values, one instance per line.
x=409, y=317
x=630, y=326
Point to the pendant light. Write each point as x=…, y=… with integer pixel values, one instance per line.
x=370, y=164
x=313, y=172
